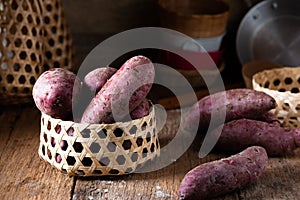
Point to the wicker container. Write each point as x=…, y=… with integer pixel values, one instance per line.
x=195, y=18
x=34, y=37
x=98, y=149
x=284, y=85
x=253, y=67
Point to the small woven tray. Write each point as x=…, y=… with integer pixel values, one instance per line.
x=284, y=85
x=98, y=149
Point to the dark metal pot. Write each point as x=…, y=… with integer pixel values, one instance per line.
x=270, y=31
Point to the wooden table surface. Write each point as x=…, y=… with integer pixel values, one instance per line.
x=25, y=176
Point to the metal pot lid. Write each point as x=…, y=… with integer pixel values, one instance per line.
x=270, y=31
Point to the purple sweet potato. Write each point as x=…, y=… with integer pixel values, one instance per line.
x=58, y=158
x=236, y=103
x=239, y=134
x=53, y=92
x=95, y=79
x=222, y=176
x=122, y=93
x=141, y=111
x=269, y=117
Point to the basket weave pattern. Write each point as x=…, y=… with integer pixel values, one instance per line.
x=34, y=37
x=284, y=85
x=98, y=149
x=191, y=17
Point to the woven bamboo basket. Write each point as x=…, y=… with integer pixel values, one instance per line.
x=195, y=18
x=284, y=85
x=253, y=67
x=34, y=37
x=98, y=149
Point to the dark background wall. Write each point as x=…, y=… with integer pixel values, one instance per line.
x=92, y=21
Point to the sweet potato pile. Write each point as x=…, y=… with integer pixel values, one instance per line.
x=250, y=134
x=119, y=94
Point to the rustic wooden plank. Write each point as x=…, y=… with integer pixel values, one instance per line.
x=7, y=120
x=280, y=181
x=160, y=184
x=23, y=174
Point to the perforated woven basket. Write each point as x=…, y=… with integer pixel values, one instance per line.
x=197, y=19
x=34, y=37
x=98, y=149
x=284, y=85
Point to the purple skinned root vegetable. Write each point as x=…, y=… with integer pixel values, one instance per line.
x=141, y=111
x=128, y=87
x=239, y=134
x=63, y=145
x=58, y=158
x=55, y=91
x=269, y=117
x=95, y=79
x=223, y=176
x=235, y=103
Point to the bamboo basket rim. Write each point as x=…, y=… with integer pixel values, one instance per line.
x=249, y=69
x=225, y=11
x=275, y=71
x=283, y=84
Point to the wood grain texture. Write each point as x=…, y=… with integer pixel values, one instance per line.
x=7, y=121
x=23, y=174
x=280, y=181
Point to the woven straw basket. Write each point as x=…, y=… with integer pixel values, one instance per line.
x=284, y=85
x=253, y=67
x=195, y=18
x=98, y=149
x=34, y=37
